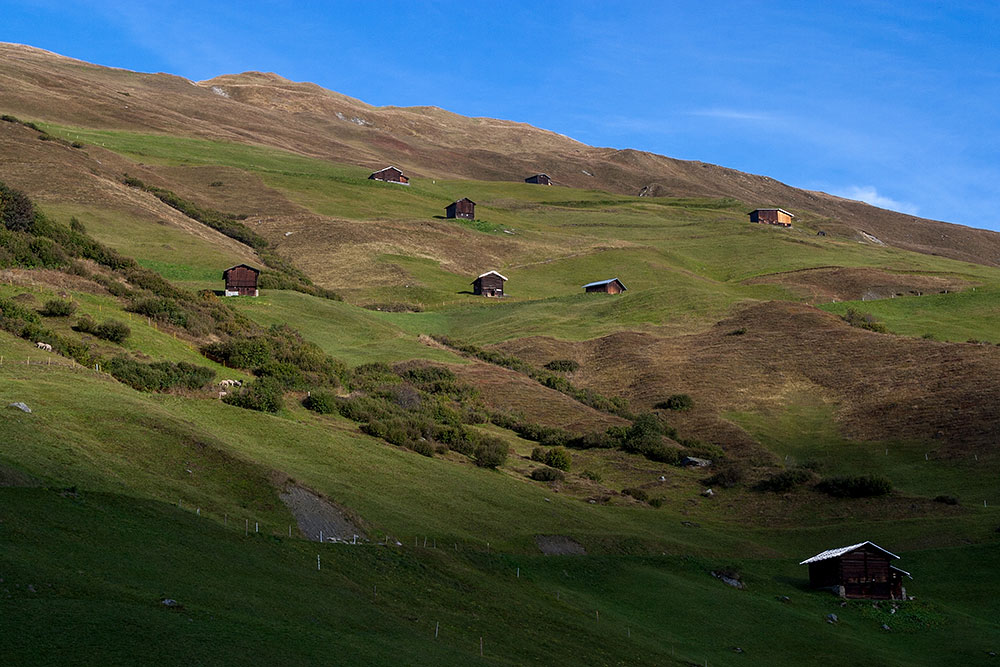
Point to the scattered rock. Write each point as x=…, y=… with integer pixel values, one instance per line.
x=695, y=462
x=316, y=515
x=31, y=588
x=663, y=478
x=832, y=618
x=886, y=628
x=708, y=493
x=690, y=524
x=729, y=579
x=171, y=603
x=784, y=598
x=737, y=649
x=20, y=406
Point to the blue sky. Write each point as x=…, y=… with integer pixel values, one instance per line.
x=896, y=103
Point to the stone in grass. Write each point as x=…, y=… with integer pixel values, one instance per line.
x=831, y=618
x=20, y=406
x=171, y=603
x=886, y=628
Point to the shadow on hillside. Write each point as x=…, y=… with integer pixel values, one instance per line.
x=795, y=582
x=465, y=291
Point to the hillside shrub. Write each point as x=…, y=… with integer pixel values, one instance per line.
x=159, y=376
x=289, y=376
x=679, y=402
x=59, y=308
x=727, y=477
x=491, y=452
x=556, y=457
x=639, y=494
x=17, y=212
x=784, y=481
x=546, y=474
x=863, y=321
x=323, y=402
x=592, y=475
x=946, y=500
x=264, y=395
x=865, y=486
x=563, y=366
x=110, y=330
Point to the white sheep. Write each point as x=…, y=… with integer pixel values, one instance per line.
x=43, y=346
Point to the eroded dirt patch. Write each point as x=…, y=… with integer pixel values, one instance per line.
x=559, y=545
x=315, y=515
x=839, y=283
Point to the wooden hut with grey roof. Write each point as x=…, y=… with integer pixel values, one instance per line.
x=862, y=570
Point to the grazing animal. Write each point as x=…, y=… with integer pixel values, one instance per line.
x=43, y=346
x=230, y=383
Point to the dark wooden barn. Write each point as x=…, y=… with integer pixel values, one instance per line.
x=241, y=280
x=613, y=286
x=539, y=179
x=863, y=570
x=463, y=208
x=390, y=175
x=489, y=284
x=772, y=216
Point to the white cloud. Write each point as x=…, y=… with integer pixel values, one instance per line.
x=734, y=114
x=869, y=195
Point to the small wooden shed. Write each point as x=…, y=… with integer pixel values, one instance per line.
x=241, y=280
x=390, y=175
x=613, y=286
x=539, y=179
x=772, y=216
x=463, y=208
x=862, y=570
x=489, y=284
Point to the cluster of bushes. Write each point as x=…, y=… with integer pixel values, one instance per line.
x=679, y=402
x=263, y=395
x=555, y=457
x=59, y=308
x=109, y=330
x=616, y=405
x=25, y=323
x=422, y=408
x=785, y=481
x=563, y=366
x=863, y=321
x=280, y=354
x=639, y=494
x=159, y=376
x=864, y=486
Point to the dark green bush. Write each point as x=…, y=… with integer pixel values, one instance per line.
x=639, y=494
x=855, y=487
x=264, y=395
x=547, y=474
x=17, y=213
x=947, y=500
x=323, y=402
x=727, y=476
x=288, y=375
x=490, y=452
x=558, y=457
x=113, y=331
x=59, y=308
x=563, y=366
x=784, y=481
x=678, y=402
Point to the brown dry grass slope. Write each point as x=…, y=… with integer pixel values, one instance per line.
x=267, y=109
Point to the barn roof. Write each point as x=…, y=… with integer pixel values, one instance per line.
x=462, y=199
x=605, y=282
x=537, y=175
x=387, y=168
x=836, y=553
x=483, y=275
x=900, y=570
x=245, y=266
x=773, y=209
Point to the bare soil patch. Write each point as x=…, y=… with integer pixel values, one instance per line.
x=837, y=283
x=559, y=545
x=315, y=515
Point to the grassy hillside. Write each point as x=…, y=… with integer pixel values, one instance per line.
x=119, y=497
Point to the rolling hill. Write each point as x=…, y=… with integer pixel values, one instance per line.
x=376, y=386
